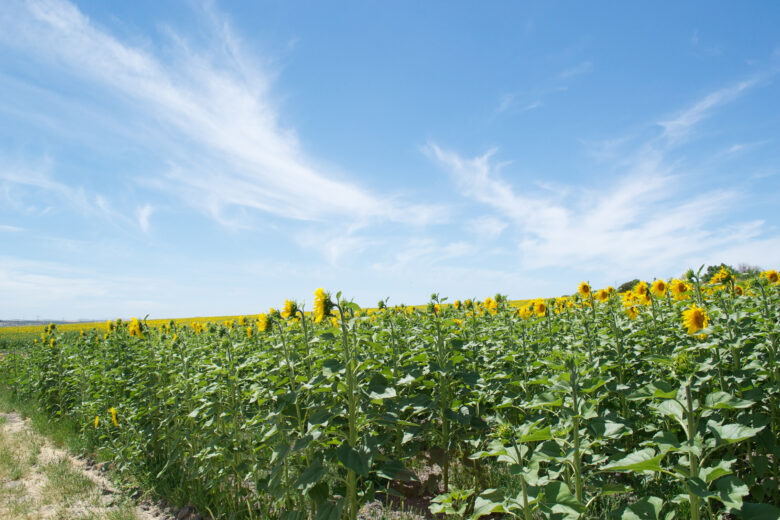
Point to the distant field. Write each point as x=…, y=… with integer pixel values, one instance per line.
x=21, y=334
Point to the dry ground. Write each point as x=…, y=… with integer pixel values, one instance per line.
x=41, y=482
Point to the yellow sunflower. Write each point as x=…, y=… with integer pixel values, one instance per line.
x=695, y=318
x=771, y=276
x=583, y=289
x=659, y=288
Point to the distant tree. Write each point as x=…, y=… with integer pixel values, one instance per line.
x=628, y=285
x=749, y=271
x=713, y=269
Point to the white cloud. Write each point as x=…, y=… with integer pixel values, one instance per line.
x=10, y=229
x=679, y=127
x=585, y=67
x=647, y=218
x=486, y=226
x=144, y=214
x=216, y=98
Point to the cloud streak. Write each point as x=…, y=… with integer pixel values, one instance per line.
x=221, y=104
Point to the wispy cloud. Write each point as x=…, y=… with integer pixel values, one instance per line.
x=586, y=67
x=10, y=229
x=679, y=126
x=144, y=214
x=646, y=218
x=222, y=103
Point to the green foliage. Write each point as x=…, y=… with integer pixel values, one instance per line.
x=628, y=285
x=582, y=412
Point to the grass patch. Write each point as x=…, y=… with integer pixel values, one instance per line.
x=65, y=483
x=64, y=433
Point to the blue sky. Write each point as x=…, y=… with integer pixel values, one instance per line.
x=186, y=158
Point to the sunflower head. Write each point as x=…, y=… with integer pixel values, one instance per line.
x=641, y=288
x=679, y=289
x=659, y=288
x=526, y=311
x=540, y=307
x=602, y=295
x=290, y=309
x=632, y=312
x=262, y=322
x=491, y=305
x=323, y=305
x=695, y=318
x=771, y=276
x=738, y=290
x=583, y=289
x=135, y=328
x=721, y=276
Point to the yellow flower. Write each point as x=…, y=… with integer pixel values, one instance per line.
x=97, y=421
x=642, y=293
x=721, y=276
x=457, y=304
x=659, y=288
x=437, y=308
x=526, y=311
x=262, y=322
x=241, y=321
x=540, y=307
x=249, y=332
x=113, y=416
x=679, y=289
x=771, y=276
x=491, y=305
x=288, y=309
x=602, y=295
x=738, y=290
x=135, y=328
x=458, y=322
x=632, y=312
x=695, y=319
x=410, y=310
x=334, y=321
x=611, y=290
x=583, y=289
x=322, y=304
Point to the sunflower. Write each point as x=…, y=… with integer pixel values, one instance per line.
x=540, y=307
x=738, y=290
x=721, y=276
x=602, y=295
x=526, y=311
x=491, y=305
x=262, y=322
x=659, y=288
x=322, y=304
x=290, y=309
x=97, y=421
x=695, y=319
x=456, y=305
x=771, y=276
x=632, y=312
x=113, y=416
x=583, y=289
x=679, y=289
x=135, y=328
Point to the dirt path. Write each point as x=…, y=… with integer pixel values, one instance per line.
x=41, y=481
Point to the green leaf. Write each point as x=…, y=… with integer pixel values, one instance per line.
x=329, y=511
x=673, y=409
x=395, y=470
x=731, y=490
x=718, y=400
x=711, y=473
x=310, y=476
x=642, y=460
x=486, y=504
x=759, y=512
x=732, y=433
x=352, y=459
x=645, y=509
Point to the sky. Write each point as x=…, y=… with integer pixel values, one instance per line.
x=190, y=158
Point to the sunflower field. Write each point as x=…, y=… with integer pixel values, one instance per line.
x=661, y=402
